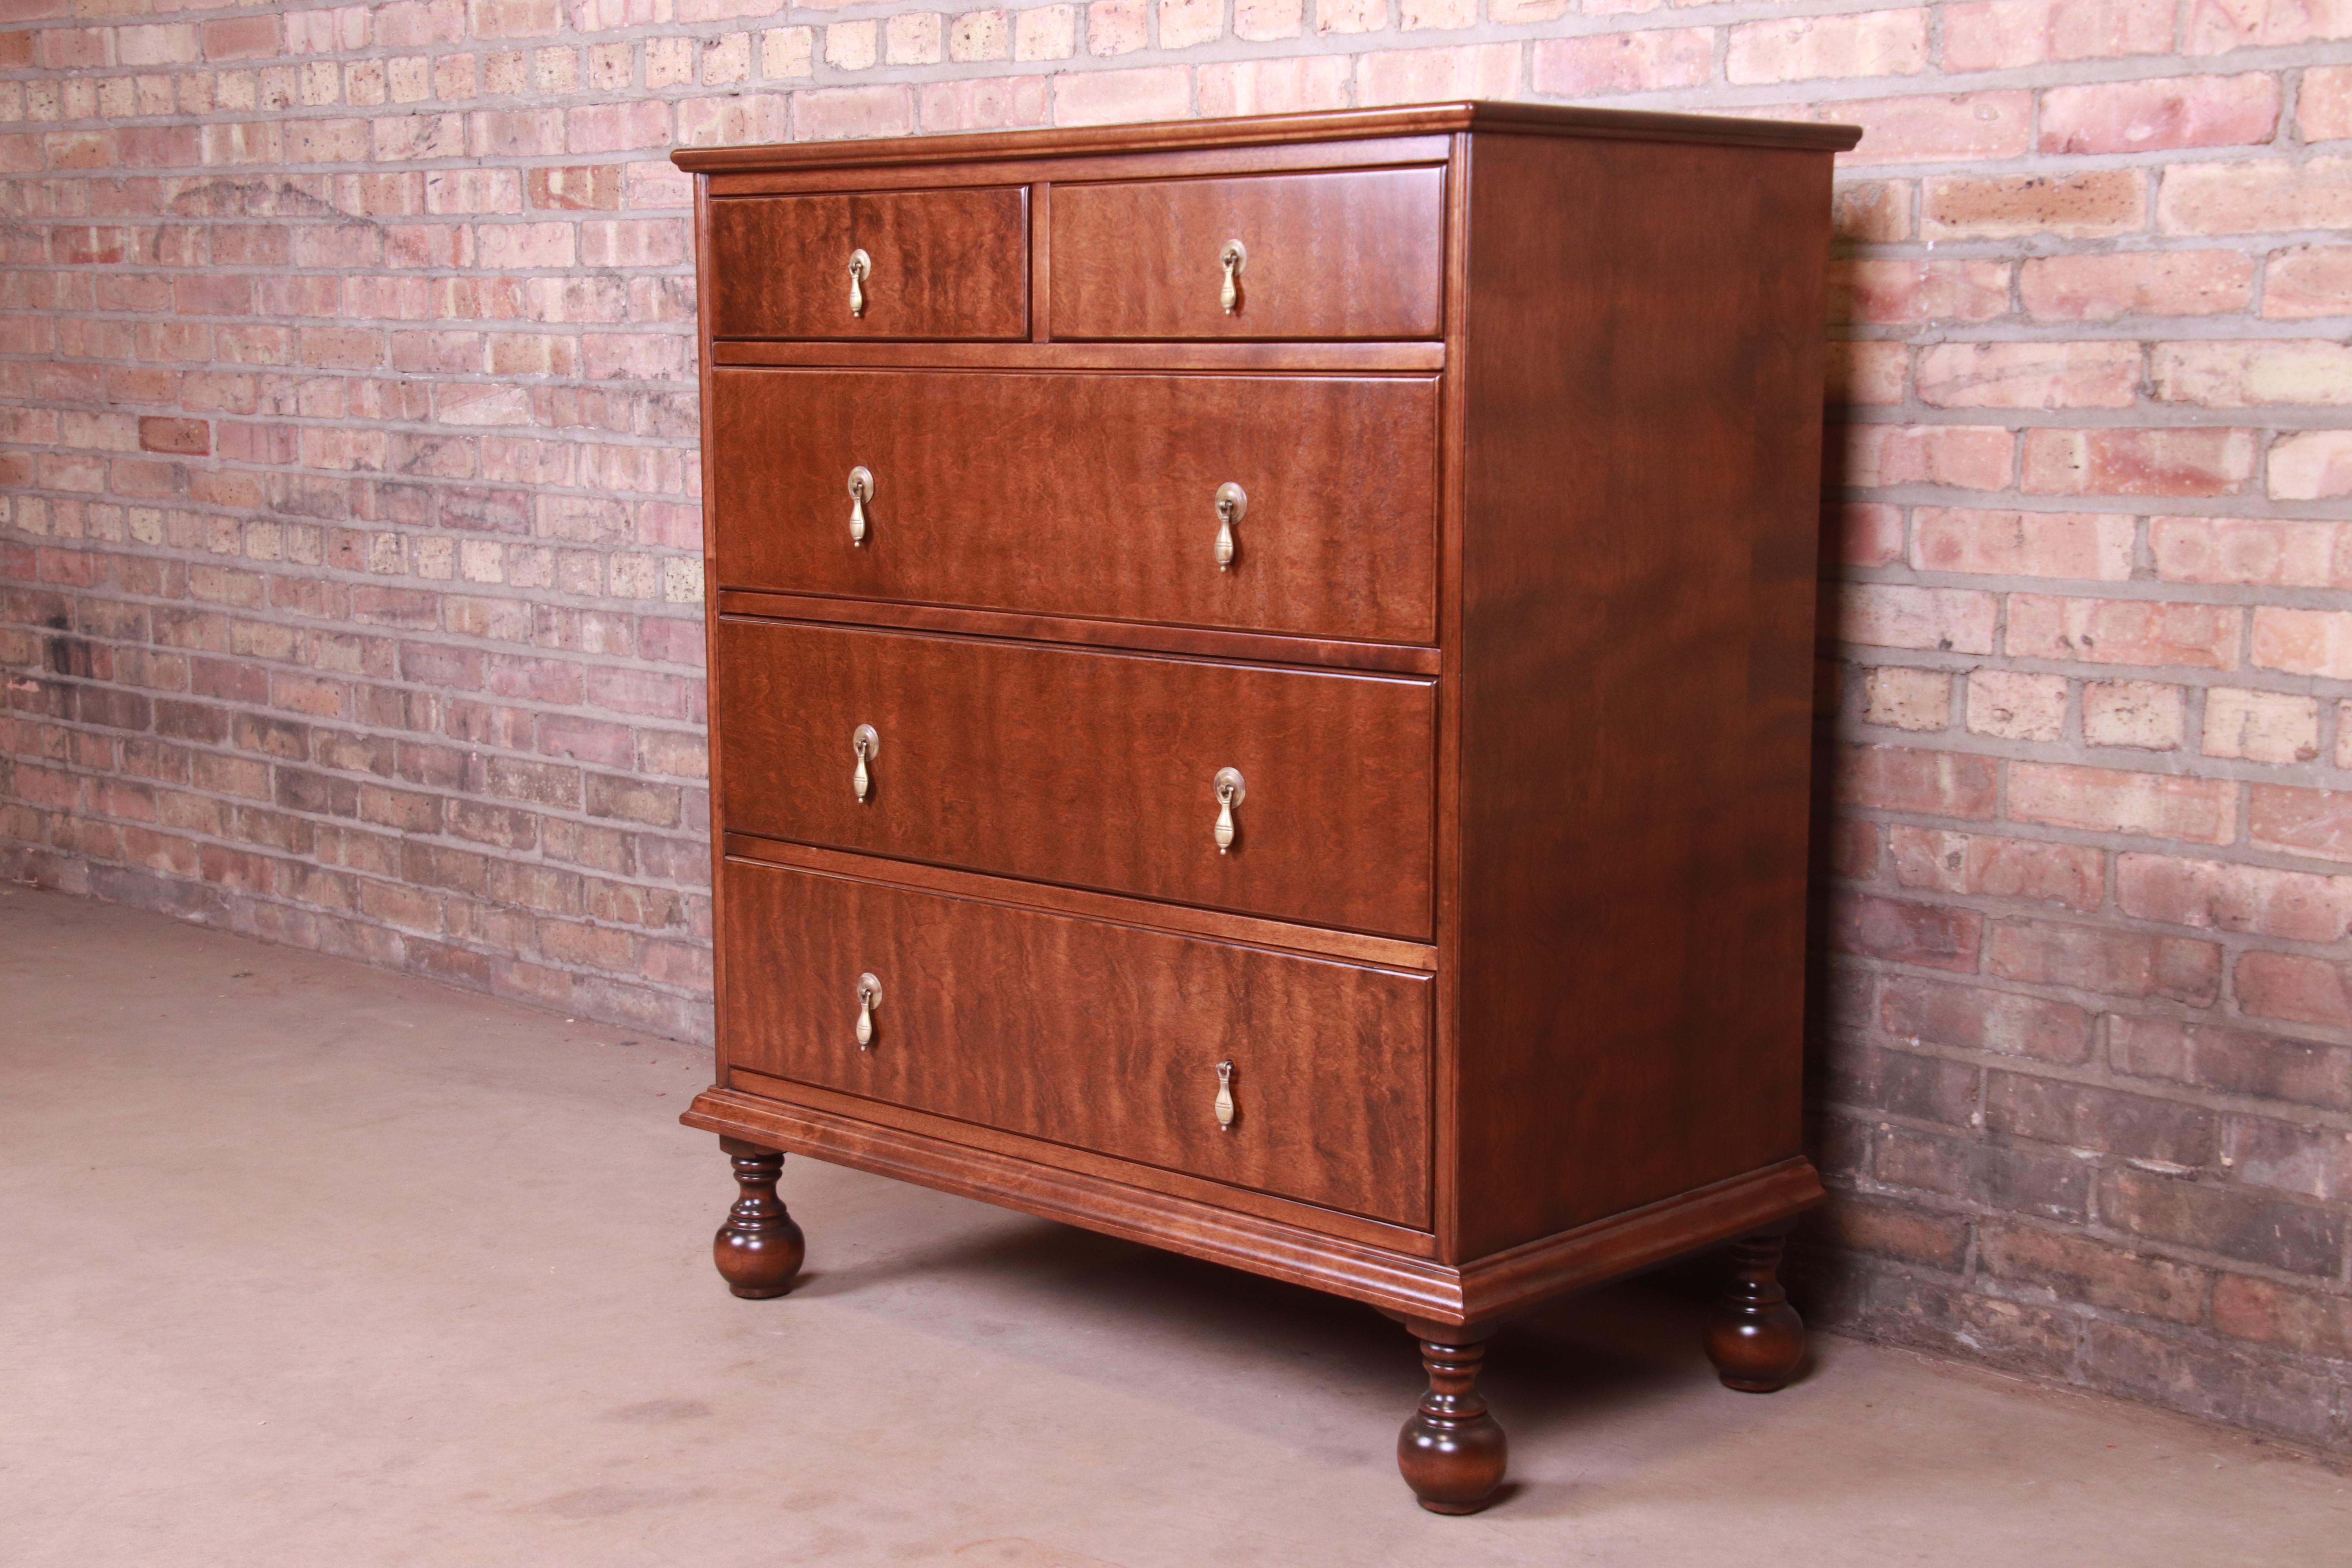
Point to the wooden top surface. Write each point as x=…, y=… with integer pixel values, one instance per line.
x=1522, y=119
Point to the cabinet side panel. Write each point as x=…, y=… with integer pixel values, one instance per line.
x=1642, y=368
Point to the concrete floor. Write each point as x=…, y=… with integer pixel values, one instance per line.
x=304, y=1263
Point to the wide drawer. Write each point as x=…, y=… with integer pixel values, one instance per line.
x=1101, y=1036
x=1355, y=254
x=1096, y=770
x=940, y=264
x=1088, y=494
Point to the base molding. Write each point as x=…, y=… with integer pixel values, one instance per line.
x=1482, y=1291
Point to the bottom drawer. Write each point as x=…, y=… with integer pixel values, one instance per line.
x=1103, y=1038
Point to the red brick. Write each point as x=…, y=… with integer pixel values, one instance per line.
x=2307, y=1320
x=2077, y=1268
x=1925, y=934
x=2233, y=1061
x=2302, y=642
x=2160, y=112
x=1974, y=1018
x=2136, y=283
x=2255, y=551
x=2101, y=800
x=1938, y=129
x=2255, y=198
x=2097, y=545
x=1933, y=784
x=2296, y=987
x=1964, y=457
x=2111, y=962
x=2029, y=375
x=2071, y=875
x=1999, y=35
x=2138, y=462
x=2124, y=631
x=2102, y=1120
x=1887, y=615
x=1643, y=61
x=2308, y=822
x=2088, y=205
x=2308, y=281
x=2295, y=905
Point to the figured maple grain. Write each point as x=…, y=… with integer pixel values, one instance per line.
x=1103, y=1036
x=1086, y=768
x=1090, y=494
x=1358, y=254
x=946, y=264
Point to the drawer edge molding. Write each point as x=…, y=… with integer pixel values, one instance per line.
x=1114, y=909
x=1212, y=356
x=1484, y=1290
x=1141, y=636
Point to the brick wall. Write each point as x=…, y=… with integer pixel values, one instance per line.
x=349, y=532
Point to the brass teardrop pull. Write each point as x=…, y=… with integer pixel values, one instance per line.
x=866, y=741
x=1233, y=258
x=861, y=491
x=1231, y=792
x=1233, y=505
x=1224, y=1097
x=869, y=996
x=861, y=266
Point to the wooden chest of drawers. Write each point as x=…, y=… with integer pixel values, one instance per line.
x=1261, y=694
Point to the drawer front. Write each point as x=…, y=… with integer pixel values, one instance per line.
x=943, y=264
x=1359, y=254
x=1095, y=770
x=1101, y=1036
x=1088, y=494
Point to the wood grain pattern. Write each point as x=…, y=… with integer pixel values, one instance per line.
x=1277, y=130
x=1384, y=1277
x=1088, y=494
x=1089, y=769
x=1349, y=255
x=1391, y=658
x=946, y=264
x=1099, y=1035
x=1642, y=399
x=1330, y=358
x=1182, y=919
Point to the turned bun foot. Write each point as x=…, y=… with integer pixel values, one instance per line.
x=1452, y=1452
x=1754, y=1337
x=759, y=1249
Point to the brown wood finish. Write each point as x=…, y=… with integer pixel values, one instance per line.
x=1089, y=769
x=946, y=264
x=759, y=1250
x=1528, y=889
x=1147, y=637
x=1104, y=1037
x=1642, y=401
x=1345, y=255
x=1755, y=1337
x=1088, y=494
x=1451, y=1451
x=1320, y=942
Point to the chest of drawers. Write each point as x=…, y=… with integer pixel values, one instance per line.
x=1261, y=697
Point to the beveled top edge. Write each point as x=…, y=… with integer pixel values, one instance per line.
x=1531, y=119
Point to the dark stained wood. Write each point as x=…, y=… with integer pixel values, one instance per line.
x=1274, y=131
x=946, y=264
x=759, y=1250
x=1451, y=1451
x=1520, y=868
x=1345, y=255
x=1642, y=378
x=1099, y=1035
x=1340, y=358
x=1755, y=1337
x=1151, y=636
x=1089, y=769
x=1306, y=1246
x=1088, y=495
x=1182, y=919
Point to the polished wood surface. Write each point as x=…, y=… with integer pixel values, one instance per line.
x=1095, y=1035
x=1516, y=906
x=1273, y=131
x=946, y=264
x=1090, y=494
x=1451, y=1451
x=1641, y=395
x=1349, y=255
x=759, y=1249
x=1090, y=769
x=1755, y=1337
x=1146, y=636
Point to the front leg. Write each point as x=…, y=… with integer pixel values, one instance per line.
x=1754, y=1337
x=1451, y=1451
x=759, y=1249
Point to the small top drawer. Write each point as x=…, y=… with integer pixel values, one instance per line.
x=936, y=264
x=1349, y=254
